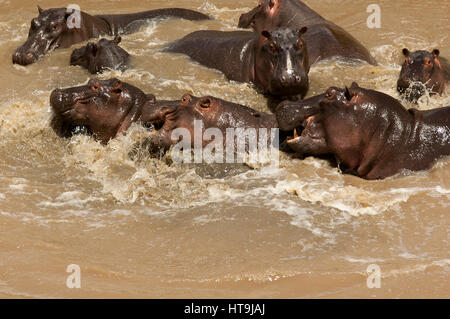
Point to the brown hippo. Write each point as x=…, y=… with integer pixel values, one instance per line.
x=369, y=133
x=52, y=30
x=423, y=70
x=104, y=108
x=324, y=38
x=276, y=61
x=168, y=117
x=107, y=108
x=101, y=56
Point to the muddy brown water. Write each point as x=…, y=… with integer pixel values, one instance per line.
x=143, y=228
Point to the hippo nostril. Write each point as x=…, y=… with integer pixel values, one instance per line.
x=298, y=79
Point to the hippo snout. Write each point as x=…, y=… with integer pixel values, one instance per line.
x=24, y=58
x=62, y=100
x=289, y=84
x=290, y=80
x=287, y=116
x=57, y=98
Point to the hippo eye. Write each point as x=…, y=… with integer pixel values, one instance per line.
x=186, y=99
x=428, y=62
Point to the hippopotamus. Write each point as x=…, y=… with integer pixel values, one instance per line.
x=275, y=61
x=325, y=39
x=100, y=56
x=212, y=112
x=369, y=133
x=52, y=29
x=423, y=70
x=104, y=108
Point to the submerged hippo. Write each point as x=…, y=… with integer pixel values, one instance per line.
x=101, y=56
x=276, y=62
x=52, y=29
x=370, y=133
x=423, y=70
x=104, y=108
x=213, y=113
x=324, y=38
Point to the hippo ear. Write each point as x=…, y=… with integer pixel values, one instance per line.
x=117, y=39
x=266, y=34
x=40, y=9
x=435, y=53
x=302, y=31
x=204, y=103
x=354, y=85
x=347, y=94
x=406, y=52
x=272, y=3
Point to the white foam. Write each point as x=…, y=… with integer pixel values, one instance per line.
x=350, y=199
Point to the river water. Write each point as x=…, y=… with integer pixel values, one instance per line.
x=144, y=228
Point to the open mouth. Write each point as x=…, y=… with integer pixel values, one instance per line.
x=296, y=133
x=302, y=130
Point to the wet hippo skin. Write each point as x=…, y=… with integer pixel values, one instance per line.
x=369, y=133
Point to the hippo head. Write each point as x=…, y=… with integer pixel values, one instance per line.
x=420, y=71
x=44, y=35
x=341, y=122
x=209, y=113
x=104, y=108
x=266, y=15
x=96, y=57
x=282, y=63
